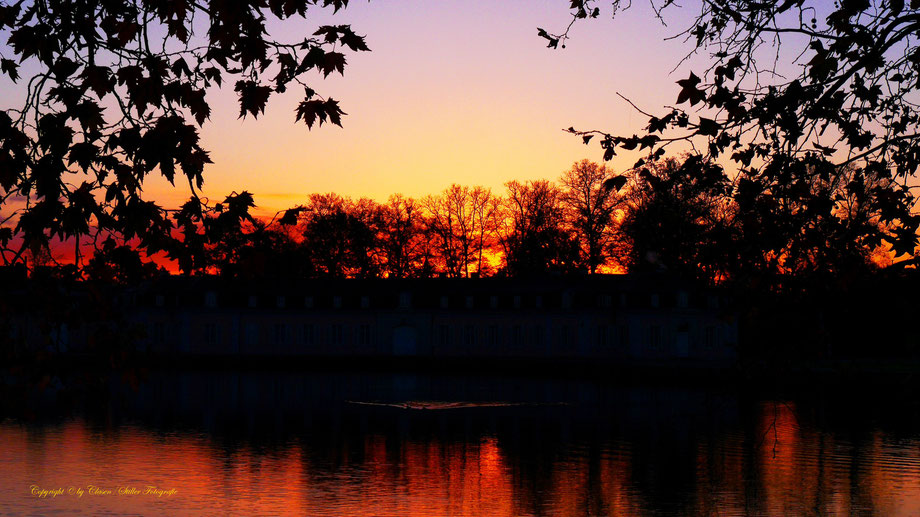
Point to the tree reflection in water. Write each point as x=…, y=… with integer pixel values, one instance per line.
x=293, y=444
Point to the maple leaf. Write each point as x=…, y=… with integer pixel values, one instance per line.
x=312, y=110
x=352, y=40
x=83, y=154
x=253, y=97
x=689, y=91
x=333, y=61
x=9, y=67
x=329, y=33
x=98, y=79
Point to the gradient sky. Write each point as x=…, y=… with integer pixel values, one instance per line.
x=452, y=92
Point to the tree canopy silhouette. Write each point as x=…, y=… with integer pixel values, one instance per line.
x=117, y=91
x=591, y=199
x=676, y=219
x=811, y=136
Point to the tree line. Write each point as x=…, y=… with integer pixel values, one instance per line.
x=533, y=227
x=681, y=215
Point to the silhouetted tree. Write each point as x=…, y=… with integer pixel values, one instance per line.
x=460, y=218
x=117, y=91
x=271, y=252
x=485, y=207
x=402, y=242
x=811, y=219
x=365, y=228
x=675, y=218
x=341, y=236
x=591, y=202
x=119, y=264
x=847, y=100
x=533, y=236
x=211, y=237
x=325, y=235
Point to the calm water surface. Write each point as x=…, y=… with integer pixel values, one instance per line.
x=294, y=444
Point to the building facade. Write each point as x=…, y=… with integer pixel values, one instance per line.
x=598, y=316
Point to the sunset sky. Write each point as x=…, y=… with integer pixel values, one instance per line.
x=452, y=92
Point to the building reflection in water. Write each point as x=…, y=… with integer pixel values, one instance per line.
x=249, y=444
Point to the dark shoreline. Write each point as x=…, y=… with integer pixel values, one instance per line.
x=797, y=372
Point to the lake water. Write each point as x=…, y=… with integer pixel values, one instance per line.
x=218, y=443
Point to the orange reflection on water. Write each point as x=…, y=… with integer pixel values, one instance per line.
x=892, y=476
x=720, y=473
x=583, y=488
x=782, y=476
x=802, y=471
x=795, y=470
x=206, y=479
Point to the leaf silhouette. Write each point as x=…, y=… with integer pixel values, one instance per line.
x=689, y=90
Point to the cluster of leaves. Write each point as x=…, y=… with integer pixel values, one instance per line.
x=118, y=91
x=832, y=131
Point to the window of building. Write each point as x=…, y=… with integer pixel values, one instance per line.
x=469, y=302
x=566, y=300
x=405, y=300
x=253, y=301
x=712, y=301
x=624, y=334
x=210, y=299
x=623, y=299
x=602, y=335
x=564, y=335
x=337, y=334
x=337, y=302
x=605, y=301
x=308, y=302
x=538, y=302
x=252, y=334
x=212, y=334
x=280, y=302
x=443, y=302
x=160, y=300
x=159, y=332
x=655, y=301
x=654, y=336
x=517, y=335
x=710, y=339
x=538, y=335
x=493, y=302
x=517, y=301
x=365, y=302
x=493, y=335
x=309, y=334
x=683, y=300
x=443, y=335
x=279, y=334
x=469, y=335
x=364, y=334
